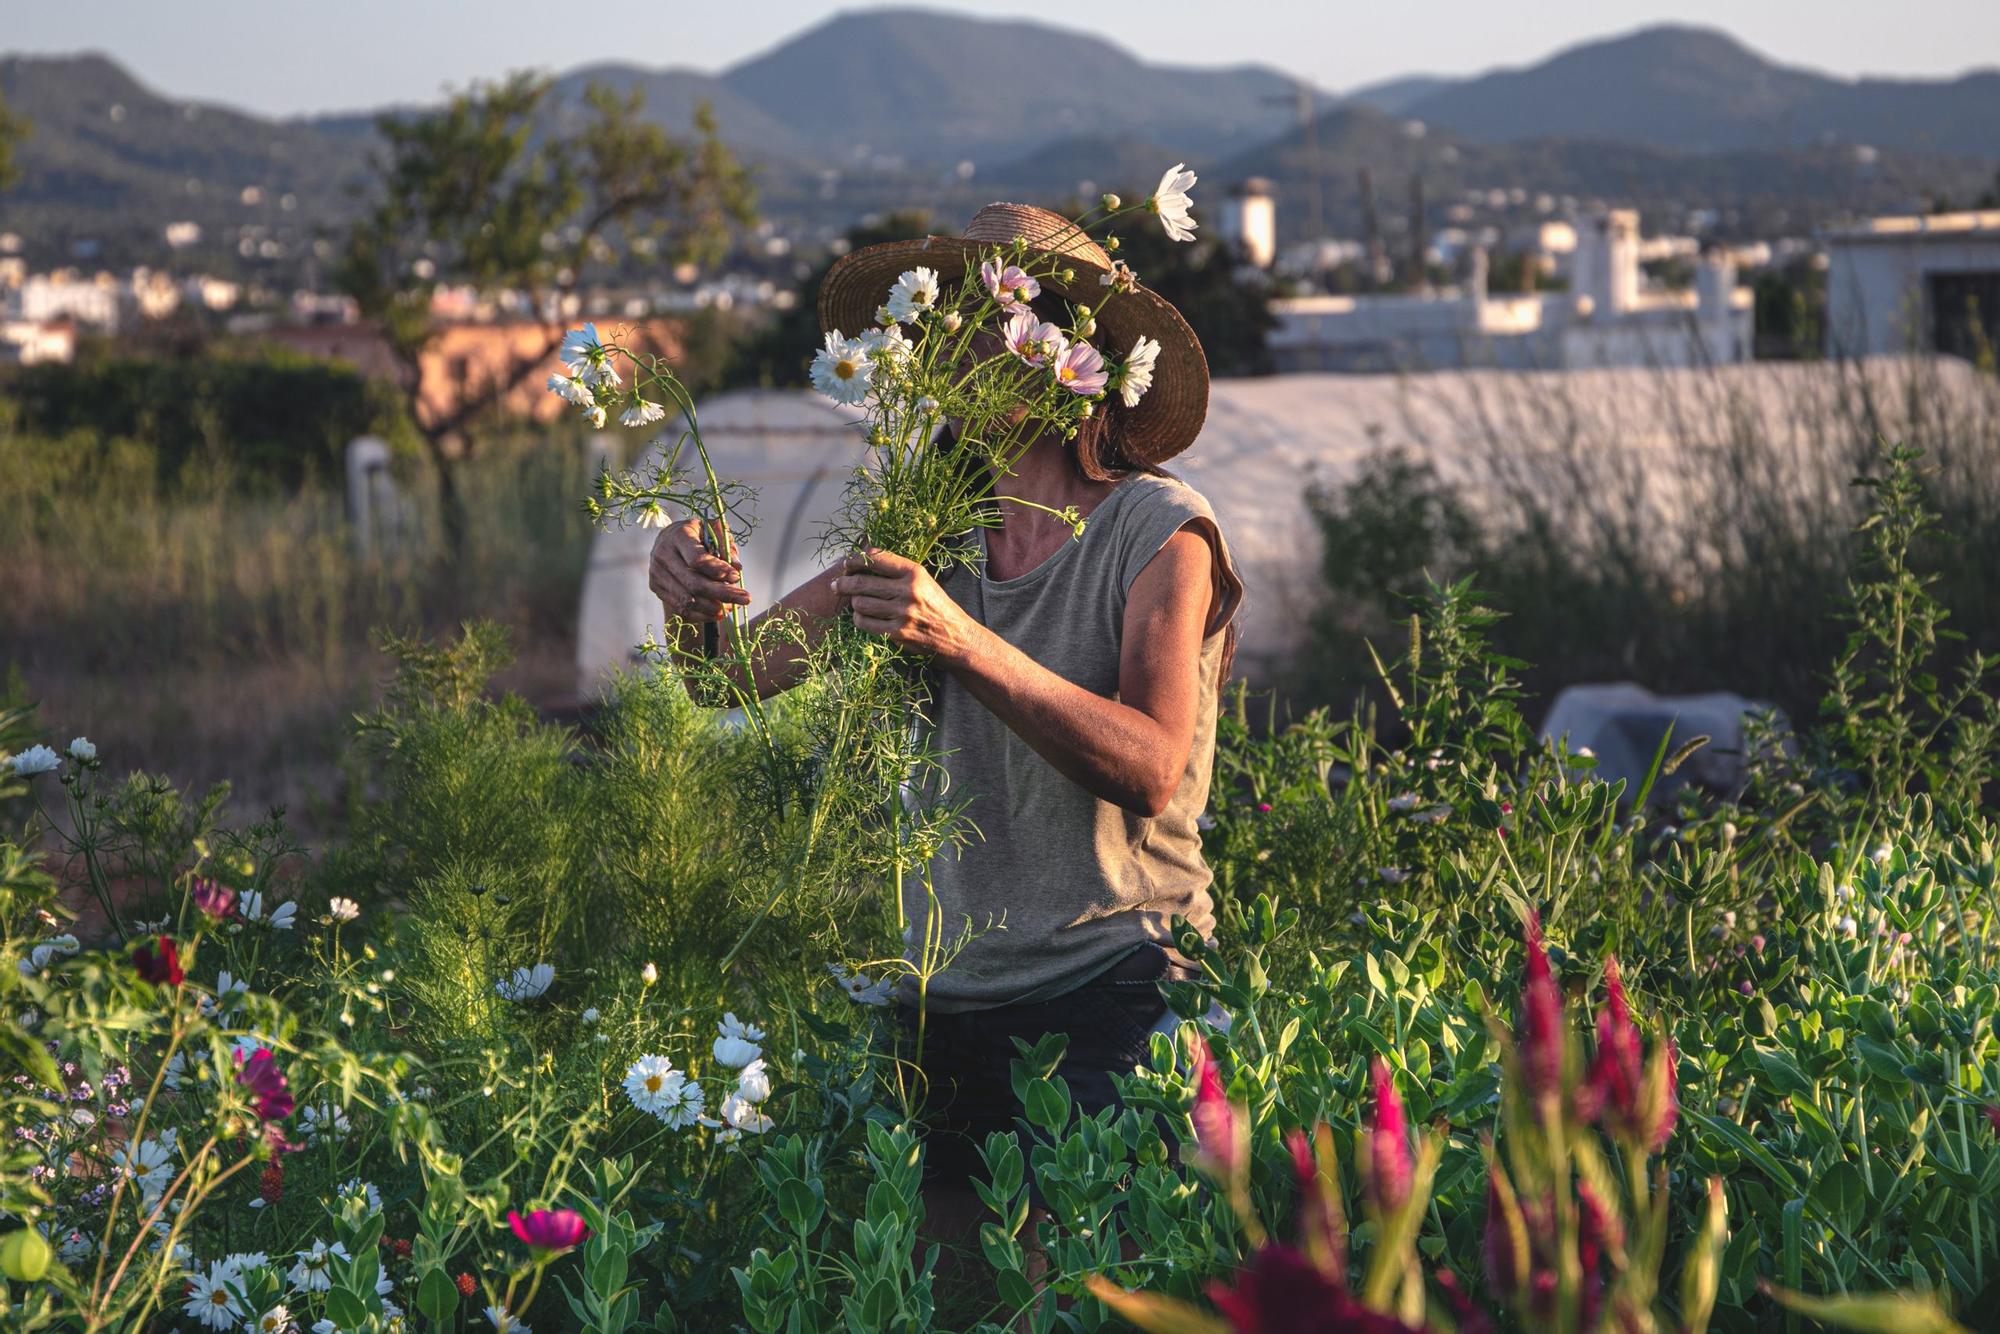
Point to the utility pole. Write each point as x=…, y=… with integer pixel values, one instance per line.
x=1420, y=278
x=1371, y=233
x=1306, y=100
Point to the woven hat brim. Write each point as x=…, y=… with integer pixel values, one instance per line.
x=1166, y=419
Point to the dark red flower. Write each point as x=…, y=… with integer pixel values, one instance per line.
x=1993, y=1117
x=1214, y=1118
x=1321, y=1229
x=1282, y=1292
x=158, y=961
x=270, y=1091
x=1388, y=1142
x=214, y=900
x=1541, y=1019
x=1616, y=1087
x=550, y=1230
x=402, y=1248
x=271, y=1185
x=1598, y=1230
x=467, y=1285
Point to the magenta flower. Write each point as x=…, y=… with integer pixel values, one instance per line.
x=1282, y=1292
x=1320, y=1229
x=548, y=1232
x=1389, y=1166
x=270, y=1092
x=158, y=961
x=1008, y=284
x=214, y=900
x=1080, y=369
x=1992, y=1111
x=1541, y=1019
x=1033, y=341
x=1616, y=1085
x=1214, y=1118
x=1599, y=1231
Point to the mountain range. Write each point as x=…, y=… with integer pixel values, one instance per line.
x=874, y=107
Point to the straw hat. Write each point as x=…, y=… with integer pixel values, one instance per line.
x=1169, y=416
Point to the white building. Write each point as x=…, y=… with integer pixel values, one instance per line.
x=1905, y=284
x=32, y=342
x=64, y=295
x=1250, y=221
x=1607, y=318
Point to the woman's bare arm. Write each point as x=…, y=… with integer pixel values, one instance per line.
x=695, y=587
x=1131, y=751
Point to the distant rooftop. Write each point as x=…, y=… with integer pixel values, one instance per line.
x=1979, y=222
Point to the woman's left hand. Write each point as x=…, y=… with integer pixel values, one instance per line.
x=897, y=598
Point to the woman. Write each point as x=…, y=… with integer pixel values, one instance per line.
x=1075, y=706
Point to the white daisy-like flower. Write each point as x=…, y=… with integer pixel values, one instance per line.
x=1170, y=202
x=687, y=1106
x=365, y=1191
x=652, y=1083
x=150, y=1164
x=35, y=760
x=650, y=515
x=275, y=1321
x=310, y=1273
x=524, y=984
x=914, y=293
x=860, y=989
x=571, y=391
x=841, y=369
x=325, y=1327
x=81, y=750
x=730, y=1026
x=886, y=347
x=255, y=908
x=46, y=953
x=239, y=1261
x=176, y=1067
x=735, y=1052
x=343, y=910
x=595, y=415
x=582, y=350
x=643, y=412
x=1137, y=375
x=210, y=1301
x=650, y=973
x=229, y=989
x=322, y=1118
x=504, y=1323
x=745, y=1116
x=590, y=1016
x=753, y=1084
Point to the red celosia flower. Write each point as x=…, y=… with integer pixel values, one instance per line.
x=271, y=1185
x=1616, y=1086
x=270, y=1091
x=158, y=961
x=1320, y=1229
x=1214, y=1119
x=1541, y=1019
x=1388, y=1143
x=467, y=1285
x=1598, y=1230
x=1993, y=1116
x=214, y=900
x=403, y=1248
x=1508, y=1248
x=1282, y=1292
x=548, y=1230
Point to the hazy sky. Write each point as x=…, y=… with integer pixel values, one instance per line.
x=291, y=55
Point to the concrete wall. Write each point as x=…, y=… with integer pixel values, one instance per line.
x=1875, y=298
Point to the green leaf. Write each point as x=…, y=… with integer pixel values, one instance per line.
x=437, y=1297
x=1842, y=1194
x=1893, y=1313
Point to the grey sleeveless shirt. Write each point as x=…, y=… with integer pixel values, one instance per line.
x=1054, y=884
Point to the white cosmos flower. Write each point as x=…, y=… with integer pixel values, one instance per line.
x=524, y=984
x=886, y=347
x=590, y=1016
x=228, y=990
x=841, y=370
x=650, y=515
x=754, y=1083
x=209, y=1299
x=150, y=1164
x=595, y=415
x=582, y=349
x=309, y=1274
x=343, y=910
x=914, y=293
x=274, y=1321
x=239, y=1261
x=365, y=1190
x=279, y=917
x=686, y=1105
x=1137, y=376
x=35, y=760
x=1170, y=201
x=643, y=412
x=735, y=1052
x=653, y=1085
x=732, y=1027
x=322, y=1118
x=860, y=989
x=744, y=1115
x=571, y=391
x=81, y=750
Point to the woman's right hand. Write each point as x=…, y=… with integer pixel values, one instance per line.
x=691, y=583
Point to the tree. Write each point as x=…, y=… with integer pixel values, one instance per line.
x=12, y=130
x=503, y=192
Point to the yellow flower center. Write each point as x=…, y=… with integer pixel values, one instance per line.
x=219, y=1297
x=844, y=369
x=1066, y=373
x=653, y=1083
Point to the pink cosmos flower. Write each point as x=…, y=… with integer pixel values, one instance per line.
x=548, y=1232
x=270, y=1092
x=1080, y=369
x=214, y=900
x=1033, y=341
x=1008, y=284
x=1388, y=1143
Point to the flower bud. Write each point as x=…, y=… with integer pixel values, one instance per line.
x=1111, y=200
x=1388, y=1161
x=952, y=321
x=650, y=974
x=1111, y=245
x=1067, y=275
x=24, y=1255
x=1086, y=327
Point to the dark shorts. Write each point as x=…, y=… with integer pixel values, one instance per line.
x=968, y=1058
